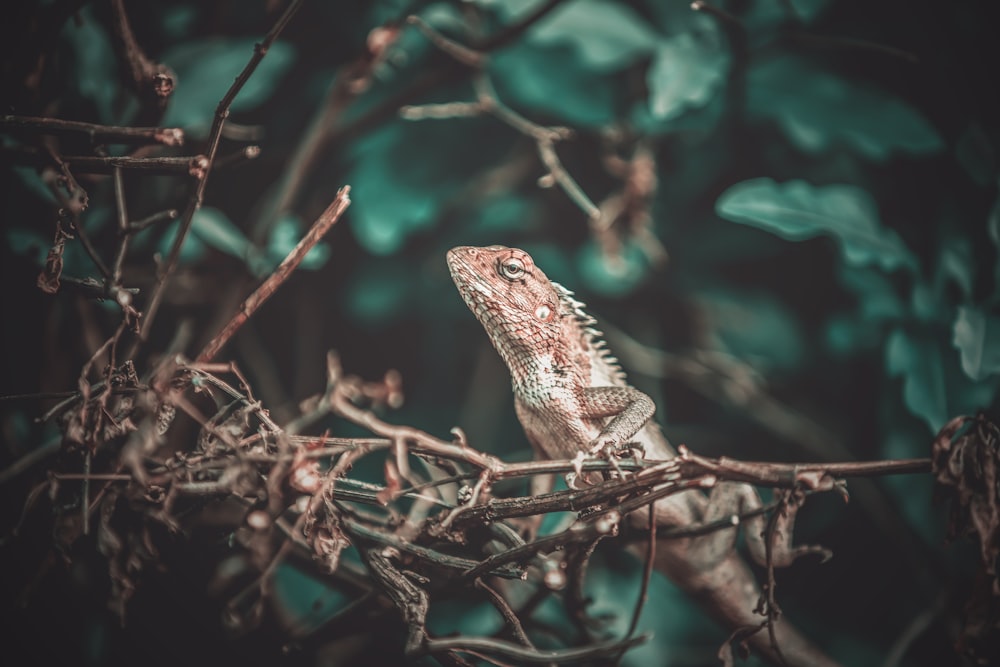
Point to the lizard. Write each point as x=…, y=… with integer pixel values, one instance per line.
x=571, y=396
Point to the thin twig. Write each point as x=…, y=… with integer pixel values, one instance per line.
x=194, y=203
x=106, y=134
x=322, y=225
x=153, y=82
x=123, y=227
x=192, y=165
x=150, y=220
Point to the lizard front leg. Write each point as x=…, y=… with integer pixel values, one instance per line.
x=629, y=408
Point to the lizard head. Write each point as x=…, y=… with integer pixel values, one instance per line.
x=512, y=298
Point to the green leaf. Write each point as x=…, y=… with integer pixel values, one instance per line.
x=379, y=292
x=207, y=68
x=27, y=242
x=552, y=79
x=956, y=264
x=406, y=172
x=305, y=602
x=285, y=235
x=95, y=64
x=765, y=15
x=920, y=364
x=935, y=388
x=819, y=111
x=464, y=617
x=993, y=231
x=977, y=337
x=193, y=249
x=32, y=182
x=215, y=229
x=797, y=210
x=686, y=71
x=876, y=295
x=754, y=327
x=612, y=276
x=604, y=35
x=975, y=153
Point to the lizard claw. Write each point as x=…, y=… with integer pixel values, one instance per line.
x=604, y=447
x=577, y=470
x=608, y=449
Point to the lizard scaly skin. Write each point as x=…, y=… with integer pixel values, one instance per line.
x=571, y=396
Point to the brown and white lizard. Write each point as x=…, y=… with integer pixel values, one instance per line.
x=571, y=396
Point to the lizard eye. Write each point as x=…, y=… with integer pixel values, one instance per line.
x=511, y=268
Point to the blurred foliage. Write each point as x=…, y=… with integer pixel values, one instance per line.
x=827, y=199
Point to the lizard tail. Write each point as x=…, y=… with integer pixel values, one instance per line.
x=729, y=592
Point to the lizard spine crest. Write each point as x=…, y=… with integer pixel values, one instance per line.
x=594, y=338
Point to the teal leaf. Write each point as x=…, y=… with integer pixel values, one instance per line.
x=877, y=298
x=920, y=364
x=935, y=387
x=551, y=79
x=977, y=337
x=612, y=276
x=95, y=64
x=993, y=231
x=797, y=210
x=207, y=68
x=604, y=35
x=819, y=111
x=503, y=213
x=193, y=249
x=956, y=265
x=844, y=335
x=975, y=153
x=214, y=228
x=32, y=182
x=398, y=191
x=27, y=242
x=379, y=292
x=765, y=15
x=753, y=327
x=305, y=602
x=686, y=72
x=285, y=235
x=464, y=617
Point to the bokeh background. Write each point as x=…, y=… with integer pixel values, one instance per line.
x=796, y=256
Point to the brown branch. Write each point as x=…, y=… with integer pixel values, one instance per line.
x=319, y=228
x=150, y=220
x=520, y=654
x=509, y=615
x=194, y=203
x=153, y=82
x=92, y=164
x=123, y=227
x=103, y=134
x=850, y=44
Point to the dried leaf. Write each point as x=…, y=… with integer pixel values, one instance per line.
x=48, y=279
x=965, y=461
